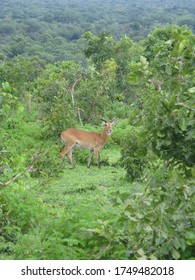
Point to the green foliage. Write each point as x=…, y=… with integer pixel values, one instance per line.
x=156, y=223
x=48, y=163
x=59, y=214
x=134, y=153
x=165, y=104
x=171, y=127
x=53, y=29
x=100, y=48
x=20, y=72
x=161, y=216
x=23, y=141
x=119, y=109
x=55, y=91
x=7, y=101
x=92, y=99
x=20, y=209
x=168, y=113
x=113, y=61
x=7, y=29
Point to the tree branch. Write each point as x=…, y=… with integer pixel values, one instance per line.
x=72, y=90
x=28, y=169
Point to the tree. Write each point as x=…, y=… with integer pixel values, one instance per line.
x=99, y=48
x=55, y=90
x=169, y=111
x=19, y=44
x=166, y=97
x=20, y=72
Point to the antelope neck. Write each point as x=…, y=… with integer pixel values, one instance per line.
x=105, y=136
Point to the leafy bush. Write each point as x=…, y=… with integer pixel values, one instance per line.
x=20, y=211
x=171, y=129
x=54, y=90
x=168, y=113
x=120, y=131
x=48, y=163
x=157, y=220
x=134, y=153
x=120, y=110
x=165, y=86
x=157, y=223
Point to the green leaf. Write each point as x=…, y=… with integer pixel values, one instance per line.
x=159, y=134
x=143, y=60
x=6, y=87
x=190, y=235
x=130, y=217
x=175, y=254
x=191, y=90
x=190, y=134
x=134, y=79
x=181, y=46
x=183, y=124
x=141, y=252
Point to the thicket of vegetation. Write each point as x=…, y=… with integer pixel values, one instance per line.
x=140, y=204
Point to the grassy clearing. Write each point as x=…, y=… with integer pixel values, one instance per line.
x=58, y=214
x=86, y=194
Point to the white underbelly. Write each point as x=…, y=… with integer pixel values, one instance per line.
x=79, y=146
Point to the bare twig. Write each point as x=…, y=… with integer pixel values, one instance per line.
x=186, y=106
x=28, y=169
x=72, y=90
x=79, y=115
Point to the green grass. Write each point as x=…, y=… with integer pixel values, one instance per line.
x=86, y=193
x=90, y=188
x=54, y=217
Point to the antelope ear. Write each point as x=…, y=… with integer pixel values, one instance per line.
x=113, y=121
x=104, y=123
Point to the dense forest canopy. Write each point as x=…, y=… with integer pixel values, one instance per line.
x=54, y=29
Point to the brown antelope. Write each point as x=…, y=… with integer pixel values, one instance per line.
x=93, y=141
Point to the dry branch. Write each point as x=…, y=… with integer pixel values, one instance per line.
x=28, y=169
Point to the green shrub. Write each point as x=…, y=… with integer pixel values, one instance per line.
x=156, y=223
x=134, y=153
x=120, y=131
x=20, y=211
x=48, y=163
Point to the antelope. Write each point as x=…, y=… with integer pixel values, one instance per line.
x=92, y=141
